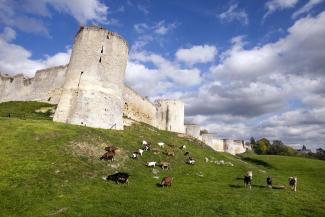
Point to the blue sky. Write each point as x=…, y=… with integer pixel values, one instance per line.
x=243, y=68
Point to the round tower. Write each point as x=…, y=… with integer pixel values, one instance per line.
x=170, y=115
x=92, y=93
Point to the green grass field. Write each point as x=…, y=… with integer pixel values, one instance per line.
x=52, y=169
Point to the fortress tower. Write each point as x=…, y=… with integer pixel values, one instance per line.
x=92, y=92
x=170, y=115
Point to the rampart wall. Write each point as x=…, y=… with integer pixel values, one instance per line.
x=45, y=86
x=138, y=108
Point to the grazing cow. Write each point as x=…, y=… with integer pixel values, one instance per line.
x=108, y=156
x=269, y=181
x=182, y=147
x=166, y=181
x=161, y=144
x=250, y=173
x=190, y=161
x=248, y=181
x=119, y=178
x=140, y=151
x=134, y=155
x=164, y=165
x=186, y=153
x=293, y=183
x=151, y=164
x=170, y=153
x=146, y=147
x=111, y=149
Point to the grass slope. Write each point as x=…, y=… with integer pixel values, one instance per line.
x=52, y=169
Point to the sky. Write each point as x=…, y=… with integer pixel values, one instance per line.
x=243, y=68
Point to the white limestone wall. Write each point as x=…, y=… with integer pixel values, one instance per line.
x=45, y=86
x=207, y=139
x=193, y=130
x=234, y=146
x=170, y=115
x=138, y=108
x=218, y=145
x=92, y=93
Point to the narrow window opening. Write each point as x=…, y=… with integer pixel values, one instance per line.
x=80, y=78
x=102, y=50
x=49, y=99
x=107, y=36
x=100, y=59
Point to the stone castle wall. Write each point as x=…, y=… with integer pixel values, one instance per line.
x=90, y=91
x=45, y=86
x=138, y=108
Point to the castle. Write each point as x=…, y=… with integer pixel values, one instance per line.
x=90, y=91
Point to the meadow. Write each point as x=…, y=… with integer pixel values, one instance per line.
x=53, y=169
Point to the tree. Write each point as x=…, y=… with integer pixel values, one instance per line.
x=261, y=146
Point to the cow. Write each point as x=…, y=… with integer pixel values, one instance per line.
x=134, y=155
x=110, y=149
x=151, y=164
x=164, y=165
x=170, y=153
x=248, y=181
x=108, y=156
x=269, y=181
x=250, y=173
x=140, y=151
x=182, y=147
x=161, y=144
x=166, y=181
x=293, y=183
x=146, y=147
x=119, y=177
x=190, y=161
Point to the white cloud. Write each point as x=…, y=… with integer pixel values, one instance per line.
x=25, y=15
x=234, y=14
x=274, y=5
x=162, y=28
x=197, y=54
x=15, y=59
x=307, y=7
x=141, y=27
x=8, y=34
x=83, y=11
x=163, y=76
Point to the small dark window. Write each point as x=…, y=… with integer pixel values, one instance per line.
x=100, y=59
x=102, y=50
x=107, y=36
x=49, y=99
x=82, y=122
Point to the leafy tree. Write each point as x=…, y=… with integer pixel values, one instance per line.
x=261, y=146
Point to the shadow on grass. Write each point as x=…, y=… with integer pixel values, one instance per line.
x=257, y=162
x=236, y=186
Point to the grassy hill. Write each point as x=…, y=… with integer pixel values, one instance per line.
x=52, y=169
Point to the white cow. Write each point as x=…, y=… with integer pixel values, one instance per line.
x=161, y=144
x=140, y=151
x=144, y=142
x=151, y=164
x=293, y=183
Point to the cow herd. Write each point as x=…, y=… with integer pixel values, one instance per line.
x=248, y=178
x=122, y=177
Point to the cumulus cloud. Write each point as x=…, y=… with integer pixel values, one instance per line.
x=25, y=15
x=307, y=7
x=197, y=54
x=15, y=59
x=275, y=5
x=234, y=14
x=163, y=75
x=275, y=90
x=162, y=28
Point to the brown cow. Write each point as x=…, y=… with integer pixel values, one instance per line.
x=108, y=156
x=166, y=181
x=111, y=149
